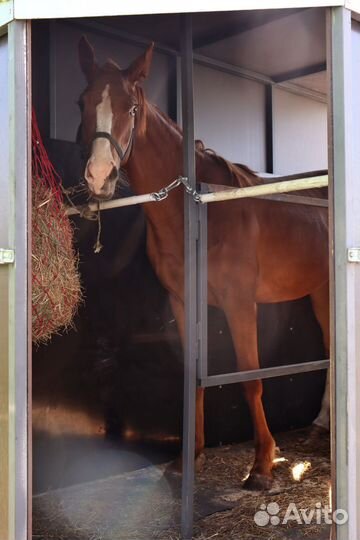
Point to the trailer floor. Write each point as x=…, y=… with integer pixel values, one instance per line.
x=145, y=504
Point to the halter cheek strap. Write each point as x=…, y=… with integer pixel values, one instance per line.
x=113, y=142
x=105, y=135
x=122, y=154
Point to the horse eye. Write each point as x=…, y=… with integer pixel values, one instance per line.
x=133, y=110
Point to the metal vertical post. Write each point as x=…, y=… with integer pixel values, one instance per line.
x=344, y=204
x=202, y=292
x=6, y=424
x=20, y=333
x=269, y=128
x=191, y=234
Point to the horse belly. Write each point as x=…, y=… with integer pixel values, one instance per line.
x=293, y=270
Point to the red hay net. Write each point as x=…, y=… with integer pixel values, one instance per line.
x=56, y=290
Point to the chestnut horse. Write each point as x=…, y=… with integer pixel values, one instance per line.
x=259, y=251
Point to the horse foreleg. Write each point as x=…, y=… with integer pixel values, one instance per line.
x=178, y=310
x=320, y=303
x=243, y=326
x=323, y=418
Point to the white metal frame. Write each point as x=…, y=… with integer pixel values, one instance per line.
x=68, y=8
x=17, y=349
x=42, y=9
x=344, y=165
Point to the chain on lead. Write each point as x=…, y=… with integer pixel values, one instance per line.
x=164, y=192
x=189, y=189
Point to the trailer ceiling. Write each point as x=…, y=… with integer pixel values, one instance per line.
x=282, y=45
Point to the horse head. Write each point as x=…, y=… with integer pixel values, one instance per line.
x=110, y=109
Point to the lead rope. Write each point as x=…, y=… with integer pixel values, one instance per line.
x=98, y=245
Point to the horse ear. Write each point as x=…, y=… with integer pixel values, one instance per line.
x=87, y=59
x=139, y=69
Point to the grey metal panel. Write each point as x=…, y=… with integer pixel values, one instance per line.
x=4, y=291
x=344, y=57
x=300, y=133
x=67, y=81
x=191, y=234
x=20, y=333
x=230, y=116
x=4, y=141
x=202, y=291
x=14, y=163
x=353, y=211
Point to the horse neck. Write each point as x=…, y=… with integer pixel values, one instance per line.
x=156, y=160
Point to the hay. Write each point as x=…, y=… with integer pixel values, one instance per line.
x=56, y=289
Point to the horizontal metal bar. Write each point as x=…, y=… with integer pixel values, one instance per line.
x=299, y=90
x=263, y=373
x=115, y=203
x=293, y=176
x=300, y=72
x=296, y=199
x=271, y=191
x=264, y=189
x=232, y=69
x=245, y=73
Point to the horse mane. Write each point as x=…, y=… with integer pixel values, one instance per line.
x=239, y=175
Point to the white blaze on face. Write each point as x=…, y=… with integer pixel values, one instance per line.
x=101, y=161
x=104, y=120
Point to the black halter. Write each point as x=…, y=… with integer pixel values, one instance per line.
x=122, y=155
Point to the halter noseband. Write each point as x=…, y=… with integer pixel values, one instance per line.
x=122, y=154
x=105, y=135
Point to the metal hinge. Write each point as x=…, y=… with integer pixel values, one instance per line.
x=7, y=256
x=354, y=255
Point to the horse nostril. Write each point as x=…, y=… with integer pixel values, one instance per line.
x=88, y=175
x=114, y=174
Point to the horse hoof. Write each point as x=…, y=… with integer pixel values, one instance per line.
x=317, y=434
x=200, y=462
x=258, y=482
x=175, y=467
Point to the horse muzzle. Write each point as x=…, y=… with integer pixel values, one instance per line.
x=101, y=178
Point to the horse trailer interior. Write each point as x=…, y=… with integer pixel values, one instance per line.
x=220, y=251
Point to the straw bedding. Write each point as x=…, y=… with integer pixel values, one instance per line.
x=146, y=504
